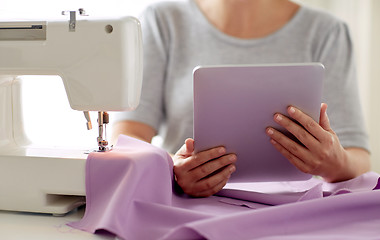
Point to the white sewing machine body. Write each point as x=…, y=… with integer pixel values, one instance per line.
x=100, y=63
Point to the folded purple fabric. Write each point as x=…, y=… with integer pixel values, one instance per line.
x=130, y=194
x=275, y=193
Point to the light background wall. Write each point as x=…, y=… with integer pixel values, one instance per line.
x=67, y=126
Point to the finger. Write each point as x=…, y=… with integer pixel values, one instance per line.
x=202, y=157
x=186, y=148
x=307, y=122
x=298, y=131
x=297, y=162
x=212, y=166
x=182, y=150
x=189, y=143
x=324, y=119
x=213, y=184
x=291, y=147
x=212, y=191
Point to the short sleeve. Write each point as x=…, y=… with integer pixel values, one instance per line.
x=341, y=87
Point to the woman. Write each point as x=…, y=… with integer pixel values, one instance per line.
x=181, y=35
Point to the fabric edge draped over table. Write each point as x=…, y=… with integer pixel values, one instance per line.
x=129, y=193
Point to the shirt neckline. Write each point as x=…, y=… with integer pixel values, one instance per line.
x=241, y=41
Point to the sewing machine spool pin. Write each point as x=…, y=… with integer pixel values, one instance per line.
x=73, y=20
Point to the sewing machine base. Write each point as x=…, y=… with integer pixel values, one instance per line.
x=42, y=180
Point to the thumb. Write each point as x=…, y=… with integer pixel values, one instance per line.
x=187, y=148
x=189, y=143
x=324, y=119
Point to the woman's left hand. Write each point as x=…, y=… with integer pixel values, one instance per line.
x=321, y=153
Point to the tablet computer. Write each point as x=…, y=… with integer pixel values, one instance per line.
x=233, y=106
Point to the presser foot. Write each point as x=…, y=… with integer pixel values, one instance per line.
x=103, y=120
x=100, y=149
x=103, y=145
x=103, y=149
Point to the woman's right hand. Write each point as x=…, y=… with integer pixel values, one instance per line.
x=205, y=173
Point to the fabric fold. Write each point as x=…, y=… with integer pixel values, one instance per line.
x=132, y=171
x=129, y=192
x=335, y=216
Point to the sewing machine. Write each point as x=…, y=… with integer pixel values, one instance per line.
x=100, y=63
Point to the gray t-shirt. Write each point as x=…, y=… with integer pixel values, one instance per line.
x=178, y=37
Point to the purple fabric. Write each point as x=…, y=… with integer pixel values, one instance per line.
x=130, y=194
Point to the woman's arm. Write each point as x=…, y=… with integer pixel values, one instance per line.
x=134, y=129
x=358, y=160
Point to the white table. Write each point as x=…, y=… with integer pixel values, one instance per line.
x=31, y=226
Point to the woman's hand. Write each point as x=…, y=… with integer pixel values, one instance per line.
x=321, y=153
x=205, y=173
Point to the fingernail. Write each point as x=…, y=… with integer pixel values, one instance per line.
x=233, y=158
x=278, y=117
x=232, y=169
x=270, y=131
x=292, y=110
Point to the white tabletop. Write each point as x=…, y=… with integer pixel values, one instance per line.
x=31, y=226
